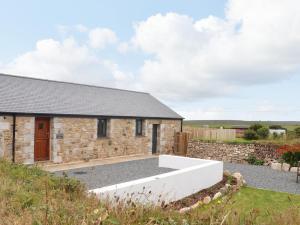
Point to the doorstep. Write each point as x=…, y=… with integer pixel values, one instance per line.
x=53, y=167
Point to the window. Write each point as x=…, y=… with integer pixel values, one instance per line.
x=102, y=128
x=139, y=127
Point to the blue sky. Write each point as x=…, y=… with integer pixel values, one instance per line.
x=25, y=22
x=208, y=59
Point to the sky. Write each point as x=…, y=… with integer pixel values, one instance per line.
x=206, y=59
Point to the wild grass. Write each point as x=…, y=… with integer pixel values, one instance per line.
x=289, y=125
x=29, y=196
x=279, y=141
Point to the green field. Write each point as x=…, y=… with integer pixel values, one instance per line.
x=290, y=125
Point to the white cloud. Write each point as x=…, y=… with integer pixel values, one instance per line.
x=65, y=30
x=258, y=42
x=212, y=113
x=63, y=60
x=101, y=37
x=124, y=47
x=121, y=78
x=81, y=28
x=260, y=111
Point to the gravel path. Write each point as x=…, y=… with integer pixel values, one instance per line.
x=266, y=178
x=104, y=175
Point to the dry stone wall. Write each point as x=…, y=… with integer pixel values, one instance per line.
x=236, y=153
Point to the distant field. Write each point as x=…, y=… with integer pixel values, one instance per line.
x=290, y=125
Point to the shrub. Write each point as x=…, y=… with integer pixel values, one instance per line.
x=255, y=126
x=250, y=135
x=263, y=132
x=297, y=131
x=275, y=135
x=291, y=158
x=252, y=160
x=290, y=154
x=276, y=127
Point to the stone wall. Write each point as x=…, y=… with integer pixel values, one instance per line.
x=80, y=140
x=24, y=144
x=6, y=137
x=236, y=153
x=73, y=139
x=24, y=139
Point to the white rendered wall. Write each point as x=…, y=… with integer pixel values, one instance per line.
x=180, y=162
x=277, y=131
x=193, y=175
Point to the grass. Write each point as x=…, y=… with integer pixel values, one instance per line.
x=290, y=139
x=265, y=141
x=239, y=141
x=265, y=202
x=245, y=141
x=289, y=125
x=29, y=196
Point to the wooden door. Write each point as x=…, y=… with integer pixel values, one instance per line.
x=42, y=136
x=154, y=138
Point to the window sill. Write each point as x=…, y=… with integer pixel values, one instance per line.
x=103, y=138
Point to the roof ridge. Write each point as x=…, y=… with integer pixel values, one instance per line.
x=66, y=82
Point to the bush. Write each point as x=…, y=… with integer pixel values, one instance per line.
x=252, y=160
x=255, y=126
x=263, y=132
x=250, y=135
x=276, y=127
x=275, y=135
x=297, y=131
x=290, y=153
x=291, y=158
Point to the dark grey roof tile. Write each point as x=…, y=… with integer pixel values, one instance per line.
x=37, y=96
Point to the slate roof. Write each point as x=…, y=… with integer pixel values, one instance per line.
x=36, y=96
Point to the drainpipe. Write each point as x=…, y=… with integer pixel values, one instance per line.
x=14, y=139
x=181, y=125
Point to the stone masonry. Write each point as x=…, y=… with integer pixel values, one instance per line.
x=73, y=139
x=236, y=153
x=25, y=140
x=5, y=137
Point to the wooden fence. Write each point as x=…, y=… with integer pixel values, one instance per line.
x=210, y=134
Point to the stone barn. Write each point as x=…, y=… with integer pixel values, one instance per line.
x=44, y=120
